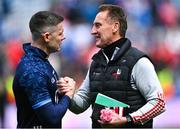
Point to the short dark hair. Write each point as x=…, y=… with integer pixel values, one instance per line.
x=42, y=19
x=116, y=13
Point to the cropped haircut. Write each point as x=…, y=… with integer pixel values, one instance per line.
x=116, y=13
x=42, y=20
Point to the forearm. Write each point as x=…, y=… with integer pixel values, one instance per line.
x=52, y=114
x=80, y=102
x=150, y=110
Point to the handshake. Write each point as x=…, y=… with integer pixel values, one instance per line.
x=66, y=86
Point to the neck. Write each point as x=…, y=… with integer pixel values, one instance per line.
x=115, y=38
x=109, y=50
x=39, y=44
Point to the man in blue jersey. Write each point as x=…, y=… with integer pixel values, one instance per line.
x=39, y=103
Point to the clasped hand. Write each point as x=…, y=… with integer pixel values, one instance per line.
x=66, y=86
x=110, y=119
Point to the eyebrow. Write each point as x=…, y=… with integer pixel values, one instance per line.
x=96, y=23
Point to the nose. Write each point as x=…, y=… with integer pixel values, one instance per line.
x=93, y=30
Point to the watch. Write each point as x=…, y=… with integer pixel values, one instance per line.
x=129, y=119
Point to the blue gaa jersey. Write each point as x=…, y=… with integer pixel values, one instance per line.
x=34, y=85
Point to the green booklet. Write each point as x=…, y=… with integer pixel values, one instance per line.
x=103, y=101
x=109, y=102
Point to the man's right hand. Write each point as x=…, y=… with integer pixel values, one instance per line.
x=66, y=86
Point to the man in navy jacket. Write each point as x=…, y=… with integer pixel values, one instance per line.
x=39, y=103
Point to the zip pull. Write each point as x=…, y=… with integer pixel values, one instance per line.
x=118, y=72
x=56, y=98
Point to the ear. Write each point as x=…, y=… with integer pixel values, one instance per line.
x=46, y=36
x=116, y=27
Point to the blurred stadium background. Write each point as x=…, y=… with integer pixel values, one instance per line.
x=153, y=26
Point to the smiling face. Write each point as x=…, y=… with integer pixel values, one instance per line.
x=54, y=38
x=103, y=30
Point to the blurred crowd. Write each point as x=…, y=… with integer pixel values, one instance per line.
x=153, y=27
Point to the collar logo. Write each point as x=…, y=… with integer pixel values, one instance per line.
x=117, y=74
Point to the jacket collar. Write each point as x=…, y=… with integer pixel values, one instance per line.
x=120, y=48
x=30, y=50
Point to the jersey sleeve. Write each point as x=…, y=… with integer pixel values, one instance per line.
x=36, y=87
x=80, y=101
x=148, y=84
